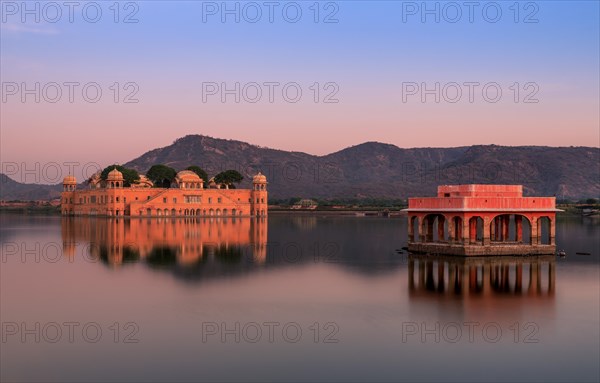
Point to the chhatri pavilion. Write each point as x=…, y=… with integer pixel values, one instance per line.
x=472, y=220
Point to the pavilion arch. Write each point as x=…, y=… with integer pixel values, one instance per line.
x=198, y=212
x=434, y=228
x=510, y=228
x=544, y=225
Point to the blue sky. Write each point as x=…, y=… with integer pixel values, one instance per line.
x=369, y=54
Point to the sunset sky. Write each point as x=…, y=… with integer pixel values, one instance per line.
x=371, y=59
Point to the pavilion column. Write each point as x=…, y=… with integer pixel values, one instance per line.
x=472, y=230
x=465, y=231
x=486, y=233
x=451, y=234
x=505, y=222
x=411, y=230
x=440, y=229
x=519, y=228
x=535, y=239
x=552, y=229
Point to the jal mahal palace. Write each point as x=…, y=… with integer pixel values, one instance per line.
x=187, y=196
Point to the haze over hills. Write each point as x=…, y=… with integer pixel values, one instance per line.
x=372, y=169
x=13, y=190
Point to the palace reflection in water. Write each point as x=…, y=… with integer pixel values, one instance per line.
x=482, y=276
x=167, y=241
x=494, y=288
x=170, y=275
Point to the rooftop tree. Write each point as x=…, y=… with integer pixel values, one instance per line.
x=161, y=175
x=198, y=170
x=229, y=177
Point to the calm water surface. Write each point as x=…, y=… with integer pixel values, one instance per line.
x=291, y=298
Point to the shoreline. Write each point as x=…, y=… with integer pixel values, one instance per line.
x=354, y=212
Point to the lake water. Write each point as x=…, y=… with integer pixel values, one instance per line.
x=291, y=298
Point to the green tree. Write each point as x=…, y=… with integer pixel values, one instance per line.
x=229, y=177
x=130, y=176
x=161, y=175
x=198, y=170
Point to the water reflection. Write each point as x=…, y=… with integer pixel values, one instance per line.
x=194, y=248
x=167, y=242
x=481, y=277
x=171, y=275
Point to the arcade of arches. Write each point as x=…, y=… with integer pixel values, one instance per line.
x=470, y=229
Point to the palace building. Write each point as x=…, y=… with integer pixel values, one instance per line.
x=187, y=196
x=481, y=220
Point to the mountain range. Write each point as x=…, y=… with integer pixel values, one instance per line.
x=371, y=169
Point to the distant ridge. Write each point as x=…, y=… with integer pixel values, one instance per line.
x=372, y=169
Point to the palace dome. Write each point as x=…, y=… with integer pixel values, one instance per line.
x=115, y=175
x=259, y=179
x=187, y=176
x=143, y=182
x=69, y=180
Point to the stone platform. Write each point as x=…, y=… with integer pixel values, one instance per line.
x=493, y=249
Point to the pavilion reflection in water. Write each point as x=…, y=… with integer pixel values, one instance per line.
x=166, y=241
x=474, y=277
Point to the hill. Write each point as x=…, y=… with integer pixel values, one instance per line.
x=371, y=169
x=378, y=170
